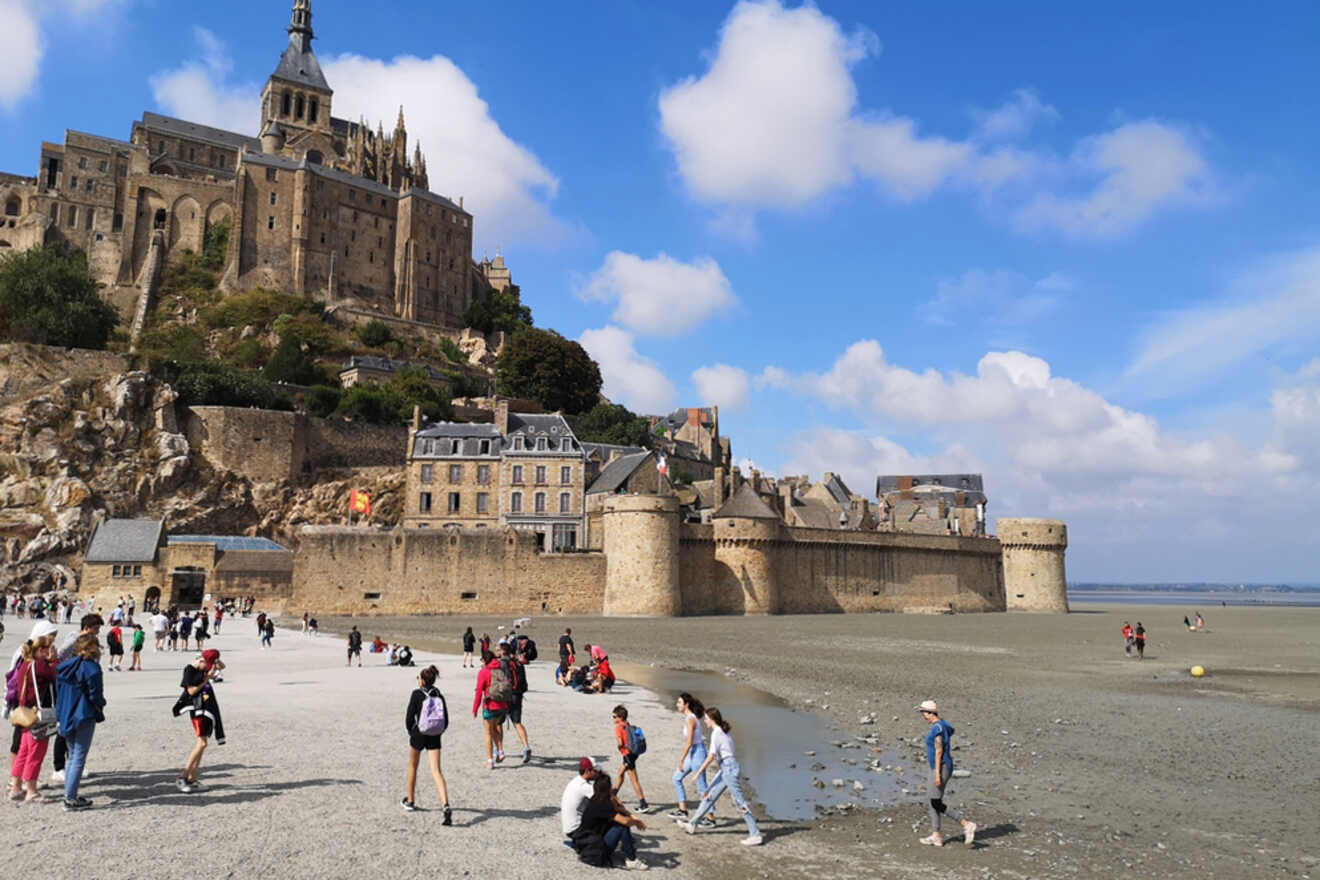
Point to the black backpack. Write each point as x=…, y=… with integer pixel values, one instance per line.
x=590, y=848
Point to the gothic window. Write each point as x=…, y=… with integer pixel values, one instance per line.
x=299, y=106
x=312, y=110
x=285, y=106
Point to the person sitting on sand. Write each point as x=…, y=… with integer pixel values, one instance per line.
x=607, y=819
x=576, y=794
x=1200, y=622
x=1187, y=623
x=378, y=645
x=405, y=656
x=604, y=681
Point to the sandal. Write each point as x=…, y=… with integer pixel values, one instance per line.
x=36, y=798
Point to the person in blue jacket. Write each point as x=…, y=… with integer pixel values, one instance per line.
x=79, y=701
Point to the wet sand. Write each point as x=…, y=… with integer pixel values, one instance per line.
x=1084, y=762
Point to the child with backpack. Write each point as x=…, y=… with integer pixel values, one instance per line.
x=426, y=720
x=493, y=695
x=632, y=745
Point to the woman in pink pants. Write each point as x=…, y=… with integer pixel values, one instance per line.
x=38, y=657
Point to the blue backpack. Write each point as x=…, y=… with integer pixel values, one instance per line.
x=636, y=740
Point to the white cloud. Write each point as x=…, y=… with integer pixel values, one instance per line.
x=1141, y=166
x=722, y=385
x=503, y=183
x=1276, y=302
x=197, y=90
x=1016, y=116
x=628, y=377
x=774, y=377
x=660, y=296
x=23, y=45
x=774, y=123
x=998, y=295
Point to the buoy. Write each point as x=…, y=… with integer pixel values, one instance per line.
x=1198, y=671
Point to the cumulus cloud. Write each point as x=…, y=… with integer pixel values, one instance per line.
x=1016, y=116
x=629, y=378
x=774, y=123
x=660, y=296
x=23, y=44
x=722, y=385
x=1141, y=167
x=1275, y=302
x=503, y=183
x=998, y=295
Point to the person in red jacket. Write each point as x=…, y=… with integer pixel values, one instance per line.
x=493, y=695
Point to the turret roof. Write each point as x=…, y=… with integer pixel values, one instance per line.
x=745, y=504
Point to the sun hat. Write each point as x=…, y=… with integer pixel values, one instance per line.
x=41, y=629
x=928, y=706
x=586, y=764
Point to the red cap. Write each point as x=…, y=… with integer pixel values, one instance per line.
x=586, y=764
x=210, y=656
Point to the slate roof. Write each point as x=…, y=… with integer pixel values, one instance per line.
x=388, y=365
x=229, y=542
x=745, y=504
x=256, y=560
x=184, y=128
x=617, y=473
x=124, y=540
x=298, y=64
x=838, y=491
x=254, y=156
x=552, y=426
x=608, y=449
x=431, y=441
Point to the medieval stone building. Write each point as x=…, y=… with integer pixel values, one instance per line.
x=315, y=204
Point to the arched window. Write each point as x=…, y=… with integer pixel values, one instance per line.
x=313, y=110
x=314, y=157
x=11, y=207
x=286, y=106
x=159, y=221
x=299, y=106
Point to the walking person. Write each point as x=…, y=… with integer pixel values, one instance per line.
x=485, y=643
x=493, y=694
x=34, y=692
x=79, y=701
x=606, y=826
x=139, y=639
x=1127, y=637
x=426, y=721
x=354, y=646
x=518, y=672
x=939, y=756
x=114, y=641
x=721, y=752
x=185, y=628
x=625, y=737
x=268, y=632
x=160, y=625
x=201, y=629
x=1139, y=639
x=174, y=635
x=306, y=615
x=469, y=644
x=692, y=756
x=198, y=698
x=89, y=624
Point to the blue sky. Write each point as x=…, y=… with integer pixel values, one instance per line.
x=1077, y=250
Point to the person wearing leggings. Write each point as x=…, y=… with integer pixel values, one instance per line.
x=940, y=758
x=721, y=749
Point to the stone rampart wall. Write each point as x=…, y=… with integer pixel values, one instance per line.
x=340, y=570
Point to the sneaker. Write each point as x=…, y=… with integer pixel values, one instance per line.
x=678, y=815
x=182, y=785
x=527, y=755
x=688, y=827
x=643, y=806
x=408, y=805
x=969, y=833
x=57, y=776
x=490, y=765
x=196, y=785
x=76, y=804
x=708, y=820
x=499, y=757
x=634, y=864
x=751, y=840
x=449, y=816
x=933, y=840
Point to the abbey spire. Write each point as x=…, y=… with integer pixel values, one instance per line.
x=300, y=25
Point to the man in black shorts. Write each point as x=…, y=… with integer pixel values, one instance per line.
x=354, y=646
x=518, y=675
x=198, y=698
x=566, y=648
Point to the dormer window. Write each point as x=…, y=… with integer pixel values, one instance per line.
x=540, y=444
x=565, y=445
x=485, y=447
x=517, y=442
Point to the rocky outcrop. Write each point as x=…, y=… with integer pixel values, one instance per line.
x=79, y=442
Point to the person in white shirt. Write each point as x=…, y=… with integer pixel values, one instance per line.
x=721, y=750
x=160, y=625
x=576, y=794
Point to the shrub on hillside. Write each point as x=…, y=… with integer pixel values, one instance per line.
x=174, y=342
x=291, y=363
x=322, y=400
x=249, y=354
x=393, y=403
x=374, y=334
x=48, y=296
x=258, y=307
x=210, y=383
x=215, y=245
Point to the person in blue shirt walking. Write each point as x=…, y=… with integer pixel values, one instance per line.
x=79, y=701
x=940, y=758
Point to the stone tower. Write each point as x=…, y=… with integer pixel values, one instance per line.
x=641, y=556
x=297, y=96
x=746, y=541
x=1034, y=577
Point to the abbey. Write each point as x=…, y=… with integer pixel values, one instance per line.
x=314, y=204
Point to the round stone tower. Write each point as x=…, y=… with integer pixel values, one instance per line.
x=746, y=548
x=641, y=556
x=1033, y=564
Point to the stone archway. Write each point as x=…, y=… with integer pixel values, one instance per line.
x=186, y=224
x=152, y=214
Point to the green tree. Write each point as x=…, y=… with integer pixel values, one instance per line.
x=611, y=423
x=48, y=296
x=374, y=334
x=322, y=400
x=290, y=363
x=215, y=245
x=393, y=403
x=498, y=310
x=545, y=367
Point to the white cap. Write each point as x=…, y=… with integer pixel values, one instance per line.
x=41, y=629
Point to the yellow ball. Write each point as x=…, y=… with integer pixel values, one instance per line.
x=1198, y=671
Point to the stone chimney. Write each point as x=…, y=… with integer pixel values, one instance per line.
x=502, y=416
x=417, y=418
